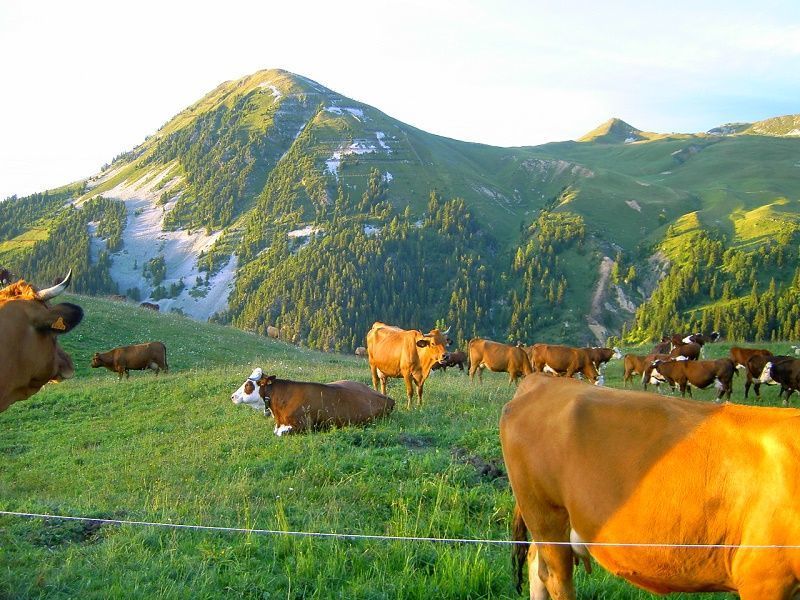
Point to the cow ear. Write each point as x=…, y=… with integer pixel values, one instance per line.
x=269, y=380
x=59, y=319
x=423, y=343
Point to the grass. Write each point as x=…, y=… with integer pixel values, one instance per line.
x=175, y=449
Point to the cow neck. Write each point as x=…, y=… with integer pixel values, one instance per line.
x=276, y=392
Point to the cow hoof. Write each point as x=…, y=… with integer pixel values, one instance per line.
x=280, y=430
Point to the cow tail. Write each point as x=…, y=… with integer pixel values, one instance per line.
x=519, y=552
x=166, y=366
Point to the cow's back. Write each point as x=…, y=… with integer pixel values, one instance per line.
x=392, y=349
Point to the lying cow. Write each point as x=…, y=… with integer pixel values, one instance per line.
x=563, y=360
x=600, y=356
x=29, y=328
x=454, y=359
x=299, y=406
x=150, y=355
x=694, y=373
x=499, y=358
x=784, y=372
x=679, y=496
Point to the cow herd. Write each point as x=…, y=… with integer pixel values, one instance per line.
x=668, y=493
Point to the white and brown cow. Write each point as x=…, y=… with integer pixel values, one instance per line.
x=299, y=406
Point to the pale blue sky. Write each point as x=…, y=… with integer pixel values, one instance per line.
x=84, y=81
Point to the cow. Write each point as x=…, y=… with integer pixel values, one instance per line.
x=407, y=354
x=29, y=354
x=754, y=368
x=688, y=351
x=672, y=495
x=361, y=351
x=455, y=359
x=497, y=357
x=784, y=372
x=740, y=356
x=118, y=297
x=150, y=305
x=697, y=373
x=150, y=355
x=663, y=347
x=563, y=360
x=5, y=277
x=635, y=364
x=693, y=338
x=273, y=332
x=299, y=406
x=600, y=356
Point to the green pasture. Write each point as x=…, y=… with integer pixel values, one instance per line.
x=174, y=449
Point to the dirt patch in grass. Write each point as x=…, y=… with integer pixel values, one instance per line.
x=489, y=470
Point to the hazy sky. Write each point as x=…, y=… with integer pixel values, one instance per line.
x=85, y=81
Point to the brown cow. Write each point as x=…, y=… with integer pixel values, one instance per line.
x=663, y=347
x=690, y=351
x=407, y=354
x=708, y=491
x=150, y=355
x=497, y=357
x=563, y=360
x=693, y=338
x=361, y=351
x=150, y=305
x=635, y=364
x=455, y=359
x=273, y=332
x=697, y=373
x=304, y=406
x=740, y=356
x=29, y=354
x=600, y=356
x=754, y=369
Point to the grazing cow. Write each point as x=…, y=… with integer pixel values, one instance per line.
x=304, y=406
x=273, y=332
x=784, y=372
x=150, y=355
x=679, y=496
x=497, y=357
x=361, y=351
x=740, y=356
x=150, y=305
x=697, y=373
x=600, y=356
x=563, y=360
x=29, y=354
x=407, y=354
x=455, y=359
x=635, y=364
x=755, y=368
x=689, y=351
x=5, y=277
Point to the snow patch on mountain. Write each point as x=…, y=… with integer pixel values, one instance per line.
x=357, y=147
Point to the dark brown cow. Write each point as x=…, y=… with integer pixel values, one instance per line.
x=299, y=406
x=697, y=373
x=690, y=351
x=497, y=357
x=29, y=353
x=273, y=332
x=455, y=359
x=600, y=356
x=693, y=338
x=754, y=369
x=635, y=364
x=361, y=351
x=740, y=356
x=663, y=347
x=150, y=355
x=671, y=494
x=407, y=354
x=784, y=372
x=563, y=360
x=150, y=305
x=5, y=277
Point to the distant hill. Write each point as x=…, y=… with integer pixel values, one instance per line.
x=273, y=200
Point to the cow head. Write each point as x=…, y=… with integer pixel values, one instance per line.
x=433, y=346
x=617, y=353
x=254, y=392
x=766, y=374
x=30, y=355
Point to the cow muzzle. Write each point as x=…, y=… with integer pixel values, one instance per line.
x=766, y=374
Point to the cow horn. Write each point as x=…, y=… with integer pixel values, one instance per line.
x=54, y=291
x=446, y=331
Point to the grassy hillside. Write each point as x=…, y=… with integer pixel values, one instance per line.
x=175, y=449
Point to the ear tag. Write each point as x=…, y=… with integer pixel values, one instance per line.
x=59, y=324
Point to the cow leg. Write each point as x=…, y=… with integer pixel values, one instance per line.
x=538, y=588
x=420, y=385
x=555, y=570
x=409, y=389
x=374, y=371
x=756, y=389
x=472, y=368
x=748, y=382
x=768, y=584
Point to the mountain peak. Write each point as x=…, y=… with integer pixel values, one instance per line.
x=614, y=131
